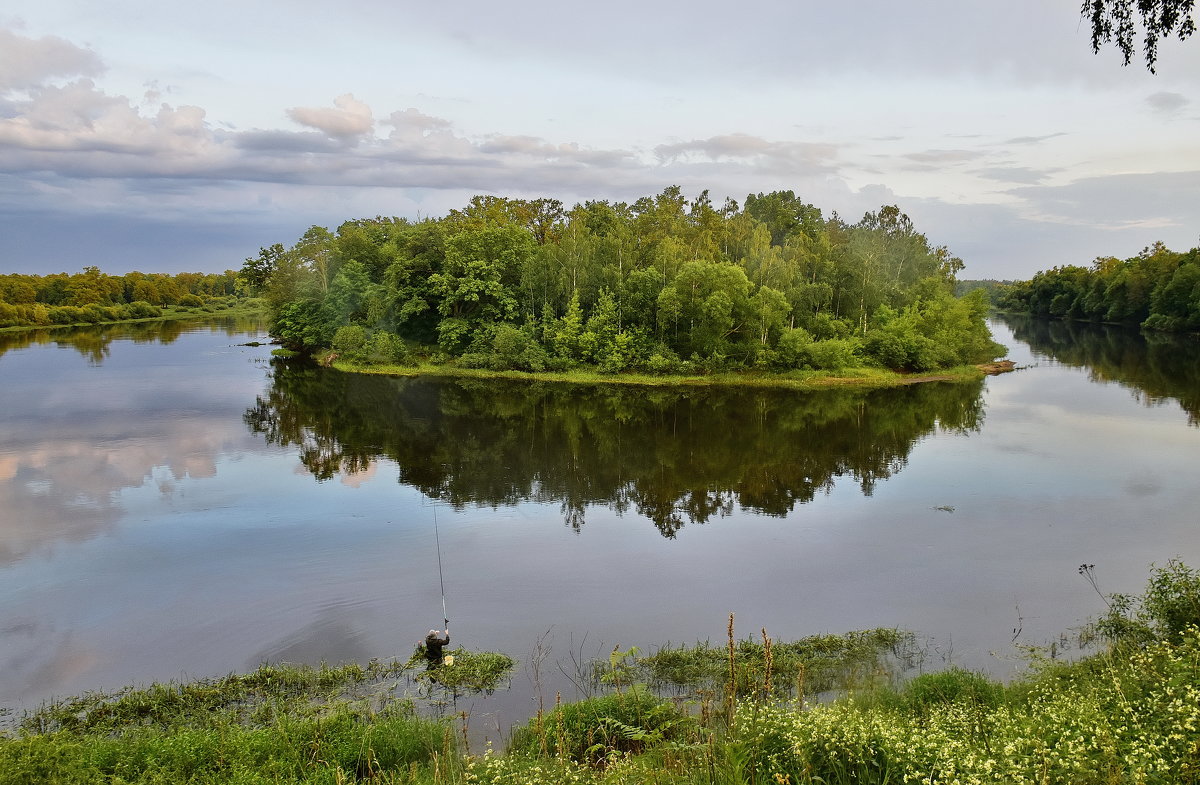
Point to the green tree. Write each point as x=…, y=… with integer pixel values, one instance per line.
x=477, y=282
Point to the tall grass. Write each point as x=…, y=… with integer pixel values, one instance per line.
x=1130, y=714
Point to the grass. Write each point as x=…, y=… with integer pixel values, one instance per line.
x=1129, y=714
x=796, y=380
x=469, y=671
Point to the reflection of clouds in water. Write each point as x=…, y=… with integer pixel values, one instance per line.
x=356, y=479
x=39, y=657
x=56, y=489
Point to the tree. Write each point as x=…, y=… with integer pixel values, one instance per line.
x=1113, y=20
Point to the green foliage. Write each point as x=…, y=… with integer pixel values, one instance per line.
x=350, y=340
x=1167, y=611
x=594, y=729
x=92, y=297
x=1158, y=289
x=385, y=348
x=301, y=326
x=470, y=671
x=523, y=285
x=930, y=691
x=815, y=664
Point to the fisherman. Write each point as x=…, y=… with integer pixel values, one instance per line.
x=434, y=644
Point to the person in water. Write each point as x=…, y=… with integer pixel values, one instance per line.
x=434, y=644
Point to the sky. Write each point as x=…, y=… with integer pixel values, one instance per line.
x=172, y=137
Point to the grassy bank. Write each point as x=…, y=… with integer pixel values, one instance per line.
x=866, y=378
x=1130, y=714
x=221, y=306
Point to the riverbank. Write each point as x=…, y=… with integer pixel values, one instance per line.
x=865, y=378
x=242, y=307
x=1128, y=714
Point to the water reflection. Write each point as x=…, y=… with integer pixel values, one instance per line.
x=74, y=436
x=674, y=456
x=1156, y=367
x=95, y=343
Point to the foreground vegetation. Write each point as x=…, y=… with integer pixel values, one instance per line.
x=1158, y=289
x=661, y=286
x=1130, y=714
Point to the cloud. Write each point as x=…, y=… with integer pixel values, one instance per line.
x=1014, y=174
x=1033, y=139
x=1165, y=102
x=28, y=62
x=809, y=158
x=349, y=120
x=1150, y=200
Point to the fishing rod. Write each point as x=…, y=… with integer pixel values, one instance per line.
x=441, y=581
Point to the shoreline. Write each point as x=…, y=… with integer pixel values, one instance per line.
x=238, y=310
x=864, y=378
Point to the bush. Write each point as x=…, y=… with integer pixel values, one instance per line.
x=140, y=309
x=792, y=349
x=833, y=354
x=516, y=349
x=385, y=348
x=590, y=730
x=953, y=685
x=350, y=340
x=191, y=301
x=1170, y=606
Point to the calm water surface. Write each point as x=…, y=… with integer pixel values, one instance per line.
x=176, y=505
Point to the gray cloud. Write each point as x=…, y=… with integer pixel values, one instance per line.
x=1033, y=139
x=1166, y=102
x=1014, y=174
x=1153, y=201
x=931, y=160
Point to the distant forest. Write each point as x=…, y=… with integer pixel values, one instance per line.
x=662, y=285
x=1158, y=289
x=92, y=297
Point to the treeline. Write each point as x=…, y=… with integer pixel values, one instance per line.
x=92, y=297
x=1158, y=289
x=662, y=285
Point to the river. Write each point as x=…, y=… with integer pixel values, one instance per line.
x=176, y=504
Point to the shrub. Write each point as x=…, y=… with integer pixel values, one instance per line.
x=590, y=730
x=1170, y=606
x=833, y=354
x=349, y=340
x=953, y=685
x=517, y=349
x=191, y=301
x=385, y=348
x=140, y=309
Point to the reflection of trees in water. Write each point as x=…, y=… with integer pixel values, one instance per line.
x=94, y=342
x=673, y=455
x=1156, y=366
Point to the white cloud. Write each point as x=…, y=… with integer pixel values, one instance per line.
x=27, y=62
x=349, y=119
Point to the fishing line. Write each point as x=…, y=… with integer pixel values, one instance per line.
x=441, y=580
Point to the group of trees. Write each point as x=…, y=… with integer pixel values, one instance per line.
x=663, y=284
x=1158, y=289
x=92, y=296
